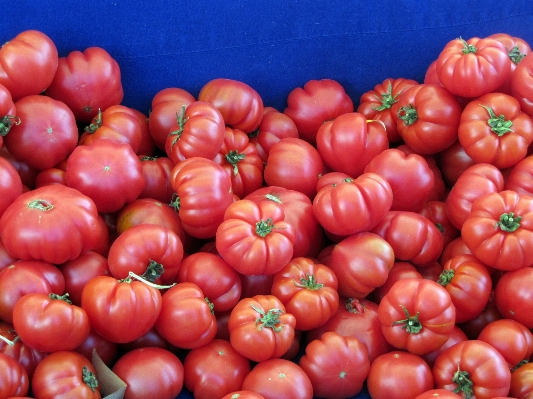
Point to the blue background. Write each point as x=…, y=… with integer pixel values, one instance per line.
x=274, y=46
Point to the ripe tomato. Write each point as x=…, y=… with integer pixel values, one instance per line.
x=107, y=351
x=308, y=290
x=457, y=335
x=521, y=84
x=260, y=329
x=520, y=178
x=521, y=378
x=336, y=365
x=10, y=185
x=453, y=161
x=8, y=112
x=398, y=271
x=214, y=370
x=243, y=395
x=14, y=379
x=28, y=63
x=513, y=296
x=156, y=172
x=439, y=393
x=318, y=101
x=277, y=379
x=435, y=211
x=166, y=383
x=87, y=81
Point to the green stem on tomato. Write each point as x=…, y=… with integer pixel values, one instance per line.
x=515, y=55
x=498, y=124
x=468, y=48
x=464, y=383
x=268, y=319
x=408, y=114
x=6, y=122
x=95, y=124
x=8, y=341
x=386, y=99
x=410, y=324
x=56, y=297
x=153, y=271
x=175, y=202
x=89, y=378
x=508, y=222
x=446, y=277
x=309, y=282
x=234, y=157
x=41, y=205
x=264, y=227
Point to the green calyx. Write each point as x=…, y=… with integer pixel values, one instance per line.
x=153, y=271
x=408, y=114
x=95, y=124
x=181, y=119
x=56, y=297
x=446, y=277
x=410, y=324
x=464, y=383
x=309, y=282
x=268, y=319
x=515, y=55
x=210, y=304
x=508, y=222
x=175, y=202
x=6, y=122
x=386, y=99
x=89, y=378
x=41, y=205
x=498, y=124
x=233, y=157
x=264, y=227
x=468, y=48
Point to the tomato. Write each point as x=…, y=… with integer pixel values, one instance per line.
x=187, y=319
x=499, y=230
x=475, y=181
x=254, y=238
x=243, y=395
x=521, y=386
x=457, y=335
x=435, y=211
x=8, y=112
x=361, y=263
x=308, y=290
x=399, y=375
x=398, y=271
x=274, y=126
x=10, y=185
x=521, y=84
x=214, y=370
x=148, y=250
x=28, y=63
x=472, y=328
x=453, y=161
x=118, y=123
x=474, y=67
x=166, y=383
x=197, y=132
x=240, y=105
x=65, y=373
x=107, y=351
x=87, y=81
x=427, y=118
x=336, y=365
x=242, y=162
x=260, y=328
x=353, y=205
x=294, y=164
x=147, y=146
x=513, y=296
x=120, y=311
x=46, y=123
x=520, y=178
x=52, y=223
x=14, y=379
x=472, y=368
x=511, y=338
x=203, y=193
x=156, y=172
x=377, y=104
x=216, y=278
x=108, y=172
x=26, y=172
x=409, y=176
x=318, y=101
x=259, y=284
x=277, y=379
x=439, y=393
x=350, y=141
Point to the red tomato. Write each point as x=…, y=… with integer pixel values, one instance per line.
x=254, y=238
x=435, y=211
x=457, y=335
x=279, y=378
x=65, y=373
x=294, y=164
x=521, y=386
x=240, y=105
x=472, y=328
x=26, y=172
x=8, y=111
x=260, y=329
x=308, y=290
x=318, y=101
x=520, y=178
x=350, y=141
x=474, y=369
x=361, y=263
x=52, y=223
x=427, y=118
x=513, y=296
x=398, y=271
x=474, y=67
x=108, y=172
x=186, y=319
x=165, y=383
x=14, y=379
x=353, y=205
x=398, y=375
x=107, y=351
x=409, y=176
x=87, y=81
x=336, y=365
x=439, y=393
x=197, y=132
x=10, y=185
x=28, y=63
x=243, y=395
x=522, y=83
x=46, y=124
x=377, y=104
x=214, y=370
x=453, y=161
x=147, y=146
x=156, y=172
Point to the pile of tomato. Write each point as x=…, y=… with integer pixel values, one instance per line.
x=222, y=247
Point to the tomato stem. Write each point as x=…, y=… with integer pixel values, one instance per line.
x=233, y=157
x=269, y=319
x=386, y=99
x=264, y=227
x=446, y=277
x=42, y=205
x=211, y=305
x=56, y=297
x=6, y=122
x=408, y=114
x=515, y=55
x=498, y=124
x=508, y=222
x=89, y=378
x=354, y=305
x=95, y=124
x=468, y=48
x=411, y=324
x=8, y=341
x=175, y=202
x=153, y=271
x=272, y=197
x=180, y=117
x=464, y=383
x=132, y=276
x=309, y=282
x=519, y=364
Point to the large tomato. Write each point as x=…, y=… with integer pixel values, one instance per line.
x=14, y=380
x=521, y=381
x=52, y=223
x=522, y=84
x=156, y=172
x=398, y=271
x=513, y=296
x=317, y=102
x=28, y=63
x=520, y=177
x=87, y=82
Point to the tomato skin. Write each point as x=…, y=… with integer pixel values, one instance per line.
x=8, y=112
x=318, y=101
x=243, y=395
x=474, y=67
x=435, y=211
x=10, y=185
x=14, y=380
x=308, y=290
x=439, y=393
x=520, y=178
x=87, y=81
x=30, y=53
x=260, y=328
x=479, y=362
x=398, y=271
x=521, y=386
x=512, y=295
x=214, y=369
x=279, y=378
x=457, y=335
x=156, y=172
x=522, y=84
x=107, y=350
x=399, y=375
x=336, y=365
x=452, y=162
x=65, y=373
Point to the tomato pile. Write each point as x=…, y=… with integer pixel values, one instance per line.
x=221, y=246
